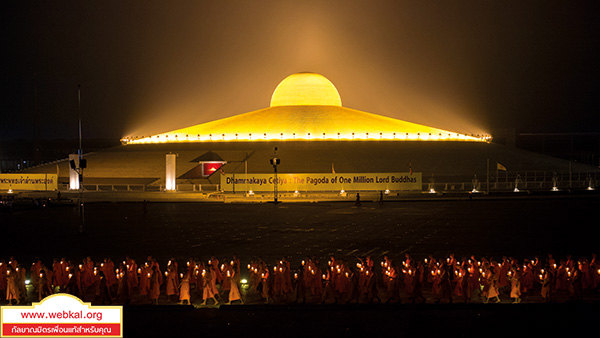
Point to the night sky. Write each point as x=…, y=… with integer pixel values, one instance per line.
x=153, y=66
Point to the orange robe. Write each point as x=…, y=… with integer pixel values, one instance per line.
x=145, y=280
x=172, y=288
x=234, y=293
x=57, y=276
x=154, y=285
x=184, y=289
x=3, y=276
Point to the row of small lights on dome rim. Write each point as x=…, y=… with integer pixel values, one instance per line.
x=308, y=136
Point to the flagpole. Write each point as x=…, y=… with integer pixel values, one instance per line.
x=487, y=183
x=496, y=175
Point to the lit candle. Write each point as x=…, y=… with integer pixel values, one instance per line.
x=180, y=275
x=296, y=275
x=139, y=270
x=248, y=266
x=302, y=263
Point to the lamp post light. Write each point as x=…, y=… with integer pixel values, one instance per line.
x=275, y=162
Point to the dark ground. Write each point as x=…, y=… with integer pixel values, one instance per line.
x=513, y=227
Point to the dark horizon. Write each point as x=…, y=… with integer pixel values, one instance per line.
x=152, y=67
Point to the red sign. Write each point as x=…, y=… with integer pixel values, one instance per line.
x=210, y=167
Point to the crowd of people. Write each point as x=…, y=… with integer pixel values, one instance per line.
x=337, y=280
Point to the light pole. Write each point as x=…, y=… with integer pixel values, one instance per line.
x=275, y=162
x=82, y=164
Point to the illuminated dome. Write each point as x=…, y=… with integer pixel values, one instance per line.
x=306, y=89
x=305, y=106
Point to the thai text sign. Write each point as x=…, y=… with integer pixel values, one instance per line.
x=28, y=181
x=323, y=182
x=62, y=315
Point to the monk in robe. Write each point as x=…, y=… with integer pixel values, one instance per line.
x=57, y=274
x=492, y=291
x=190, y=270
x=64, y=264
x=87, y=272
x=12, y=288
x=3, y=269
x=154, y=285
x=184, y=289
x=108, y=268
x=234, y=293
x=35, y=272
x=227, y=271
x=527, y=278
x=124, y=291
x=207, y=289
x=145, y=274
x=44, y=289
x=502, y=274
x=515, y=285
x=172, y=286
x=132, y=269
